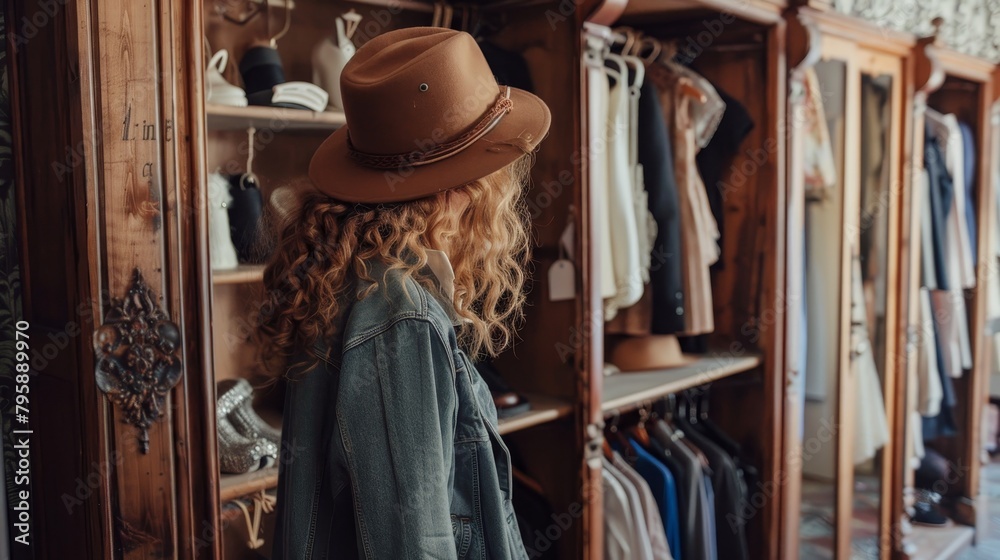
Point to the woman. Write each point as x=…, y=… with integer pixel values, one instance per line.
x=405, y=259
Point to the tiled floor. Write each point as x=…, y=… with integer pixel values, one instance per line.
x=988, y=548
x=816, y=529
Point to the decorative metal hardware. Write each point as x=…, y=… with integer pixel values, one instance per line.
x=138, y=356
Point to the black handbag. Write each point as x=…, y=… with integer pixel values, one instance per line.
x=245, y=213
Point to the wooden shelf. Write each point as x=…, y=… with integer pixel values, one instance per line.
x=626, y=390
x=940, y=543
x=224, y=117
x=243, y=274
x=407, y=5
x=235, y=486
x=543, y=409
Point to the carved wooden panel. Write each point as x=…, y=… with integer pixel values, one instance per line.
x=970, y=26
x=129, y=137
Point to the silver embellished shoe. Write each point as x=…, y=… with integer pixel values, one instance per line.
x=242, y=415
x=238, y=453
x=248, y=423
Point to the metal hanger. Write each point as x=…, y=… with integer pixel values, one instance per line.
x=639, y=431
x=654, y=46
x=286, y=27
x=249, y=177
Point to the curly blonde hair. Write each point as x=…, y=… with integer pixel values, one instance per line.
x=323, y=247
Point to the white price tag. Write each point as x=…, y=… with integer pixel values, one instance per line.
x=562, y=280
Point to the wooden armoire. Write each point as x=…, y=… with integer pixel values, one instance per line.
x=114, y=145
x=853, y=51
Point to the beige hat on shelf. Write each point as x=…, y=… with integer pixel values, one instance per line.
x=424, y=114
x=645, y=353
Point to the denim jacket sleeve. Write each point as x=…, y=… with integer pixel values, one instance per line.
x=397, y=414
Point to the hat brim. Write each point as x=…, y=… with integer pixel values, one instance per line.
x=335, y=173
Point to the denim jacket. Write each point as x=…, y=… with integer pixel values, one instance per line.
x=390, y=448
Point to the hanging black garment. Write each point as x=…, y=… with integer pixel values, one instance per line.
x=509, y=68
x=729, y=493
x=942, y=194
x=716, y=158
x=535, y=520
x=245, y=213
x=657, y=159
x=697, y=527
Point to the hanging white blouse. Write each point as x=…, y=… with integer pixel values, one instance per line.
x=929, y=391
x=819, y=165
x=871, y=429
x=621, y=205
x=916, y=433
x=597, y=106
x=221, y=251
x=640, y=545
x=617, y=519
x=645, y=222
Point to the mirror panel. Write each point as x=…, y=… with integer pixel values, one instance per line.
x=869, y=317
x=824, y=184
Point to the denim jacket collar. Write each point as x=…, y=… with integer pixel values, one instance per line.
x=438, y=269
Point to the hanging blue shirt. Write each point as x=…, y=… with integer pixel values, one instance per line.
x=661, y=482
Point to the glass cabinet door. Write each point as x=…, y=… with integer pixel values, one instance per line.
x=824, y=129
x=852, y=162
x=872, y=319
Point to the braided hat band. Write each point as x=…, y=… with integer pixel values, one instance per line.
x=503, y=105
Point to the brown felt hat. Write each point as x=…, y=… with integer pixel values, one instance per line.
x=424, y=114
x=645, y=353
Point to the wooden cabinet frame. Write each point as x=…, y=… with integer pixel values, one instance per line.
x=937, y=70
x=864, y=49
x=108, y=85
x=120, y=62
x=767, y=314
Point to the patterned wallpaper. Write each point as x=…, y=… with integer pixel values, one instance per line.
x=970, y=26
